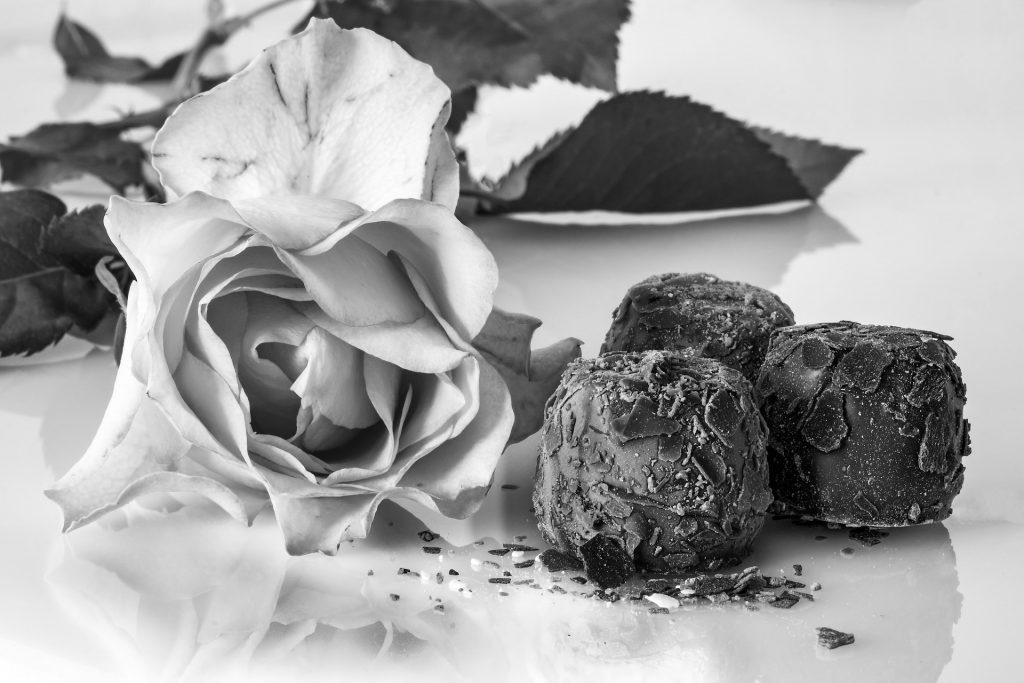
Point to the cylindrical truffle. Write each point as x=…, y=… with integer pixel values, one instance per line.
x=866, y=423
x=664, y=454
x=700, y=314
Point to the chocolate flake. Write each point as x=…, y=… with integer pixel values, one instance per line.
x=524, y=564
x=831, y=638
x=500, y=552
x=826, y=426
x=557, y=561
x=865, y=505
x=862, y=367
x=798, y=569
x=643, y=421
x=499, y=579
x=514, y=547
x=785, y=600
x=431, y=550
x=452, y=572
x=509, y=487
x=606, y=563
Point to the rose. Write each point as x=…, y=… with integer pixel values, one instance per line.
x=283, y=342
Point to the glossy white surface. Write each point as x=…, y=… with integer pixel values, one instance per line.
x=921, y=231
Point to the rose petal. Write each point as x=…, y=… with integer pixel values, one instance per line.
x=453, y=262
x=435, y=418
x=132, y=451
x=344, y=114
x=212, y=402
x=466, y=463
x=419, y=346
x=321, y=523
x=356, y=285
x=298, y=222
x=162, y=242
x=375, y=451
x=332, y=382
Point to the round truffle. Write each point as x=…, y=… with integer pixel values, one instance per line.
x=866, y=423
x=701, y=314
x=663, y=454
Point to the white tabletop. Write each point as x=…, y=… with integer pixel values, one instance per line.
x=921, y=231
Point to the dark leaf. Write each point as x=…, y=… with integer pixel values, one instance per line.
x=463, y=103
x=85, y=57
x=78, y=240
x=531, y=376
x=505, y=42
x=814, y=163
x=40, y=299
x=63, y=151
x=648, y=152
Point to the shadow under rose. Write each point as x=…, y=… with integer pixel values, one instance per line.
x=183, y=591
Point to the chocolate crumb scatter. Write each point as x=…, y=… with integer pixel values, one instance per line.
x=431, y=550
x=439, y=608
x=369, y=573
x=427, y=536
x=831, y=638
x=394, y=597
x=846, y=552
x=503, y=594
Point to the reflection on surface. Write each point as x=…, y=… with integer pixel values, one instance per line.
x=184, y=591
x=597, y=263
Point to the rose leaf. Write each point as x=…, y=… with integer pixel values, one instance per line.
x=54, y=152
x=531, y=376
x=463, y=104
x=504, y=42
x=86, y=58
x=79, y=241
x=40, y=298
x=644, y=152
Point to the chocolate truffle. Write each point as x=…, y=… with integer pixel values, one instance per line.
x=700, y=314
x=866, y=423
x=662, y=453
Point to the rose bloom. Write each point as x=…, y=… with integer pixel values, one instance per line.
x=301, y=326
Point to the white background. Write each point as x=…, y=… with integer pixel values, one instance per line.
x=923, y=231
